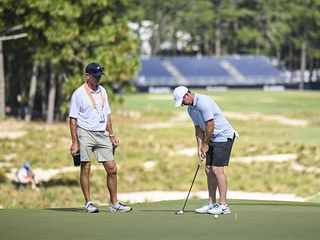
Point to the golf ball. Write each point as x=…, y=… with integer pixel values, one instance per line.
x=216, y=216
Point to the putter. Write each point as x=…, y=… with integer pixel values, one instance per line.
x=184, y=205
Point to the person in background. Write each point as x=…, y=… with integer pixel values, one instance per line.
x=91, y=132
x=215, y=137
x=26, y=176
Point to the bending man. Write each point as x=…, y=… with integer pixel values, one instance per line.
x=215, y=137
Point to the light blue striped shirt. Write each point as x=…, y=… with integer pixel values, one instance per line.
x=205, y=109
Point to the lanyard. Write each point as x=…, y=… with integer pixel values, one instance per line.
x=92, y=99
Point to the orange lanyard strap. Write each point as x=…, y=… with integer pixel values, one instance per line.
x=88, y=90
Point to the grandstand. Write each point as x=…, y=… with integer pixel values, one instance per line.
x=201, y=71
x=205, y=71
x=153, y=73
x=256, y=70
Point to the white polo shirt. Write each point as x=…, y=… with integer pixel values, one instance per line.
x=82, y=108
x=204, y=109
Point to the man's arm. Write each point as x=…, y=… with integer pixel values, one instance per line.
x=199, y=137
x=113, y=139
x=209, y=131
x=206, y=138
x=75, y=147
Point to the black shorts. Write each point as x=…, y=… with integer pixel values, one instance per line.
x=219, y=153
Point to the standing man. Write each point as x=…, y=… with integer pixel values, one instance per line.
x=215, y=137
x=91, y=132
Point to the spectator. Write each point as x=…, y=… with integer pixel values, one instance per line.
x=91, y=132
x=26, y=176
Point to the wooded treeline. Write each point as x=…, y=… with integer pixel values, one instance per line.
x=42, y=69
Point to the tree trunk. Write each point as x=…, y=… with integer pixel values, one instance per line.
x=60, y=96
x=235, y=38
x=278, y=52
x=206, y=46
x=2, y=85
x=290, y=62
x=257, y=50
x=217, y=37
x=32, y=91
x=217, y=27
x=51, y=98
x=317, y=66
x=44, y=78
x=303, y=60
x=157, y=42
x=311, y=68
x=158, y=36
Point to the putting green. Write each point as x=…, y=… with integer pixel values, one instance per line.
x=248, y=220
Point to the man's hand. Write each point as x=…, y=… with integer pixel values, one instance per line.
x=75, y=146
x=74, y=149
x=200, y=161
x=203, y=151
x=114, y=141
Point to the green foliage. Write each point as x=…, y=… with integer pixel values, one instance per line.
x=259, y=27
x=3, y=177
x=64, y=37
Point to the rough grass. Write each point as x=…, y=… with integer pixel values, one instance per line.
x=48, y=147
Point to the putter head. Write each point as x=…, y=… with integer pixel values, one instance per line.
x=179, y=212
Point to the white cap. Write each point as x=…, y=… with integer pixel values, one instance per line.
x=178, y=95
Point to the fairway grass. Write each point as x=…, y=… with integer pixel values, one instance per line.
x=248, y=220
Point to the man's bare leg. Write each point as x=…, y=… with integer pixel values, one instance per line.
x=112, y=182
x=85, y=180
x=222, y=183
x=212, y=184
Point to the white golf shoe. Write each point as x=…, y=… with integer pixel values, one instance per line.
x=205, y=208
x=91, y=208
x=220, y=209
x=119, y=207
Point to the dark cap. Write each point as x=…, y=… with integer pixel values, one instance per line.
x=95, y=69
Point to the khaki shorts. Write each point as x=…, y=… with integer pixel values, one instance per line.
x=96, y=142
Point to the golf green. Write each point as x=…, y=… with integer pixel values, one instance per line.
x=248, y=220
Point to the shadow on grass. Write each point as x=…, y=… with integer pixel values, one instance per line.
x=78, y=210
x=165, y=210
x=60, y=182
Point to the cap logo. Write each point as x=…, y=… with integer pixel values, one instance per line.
x=97, y=69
